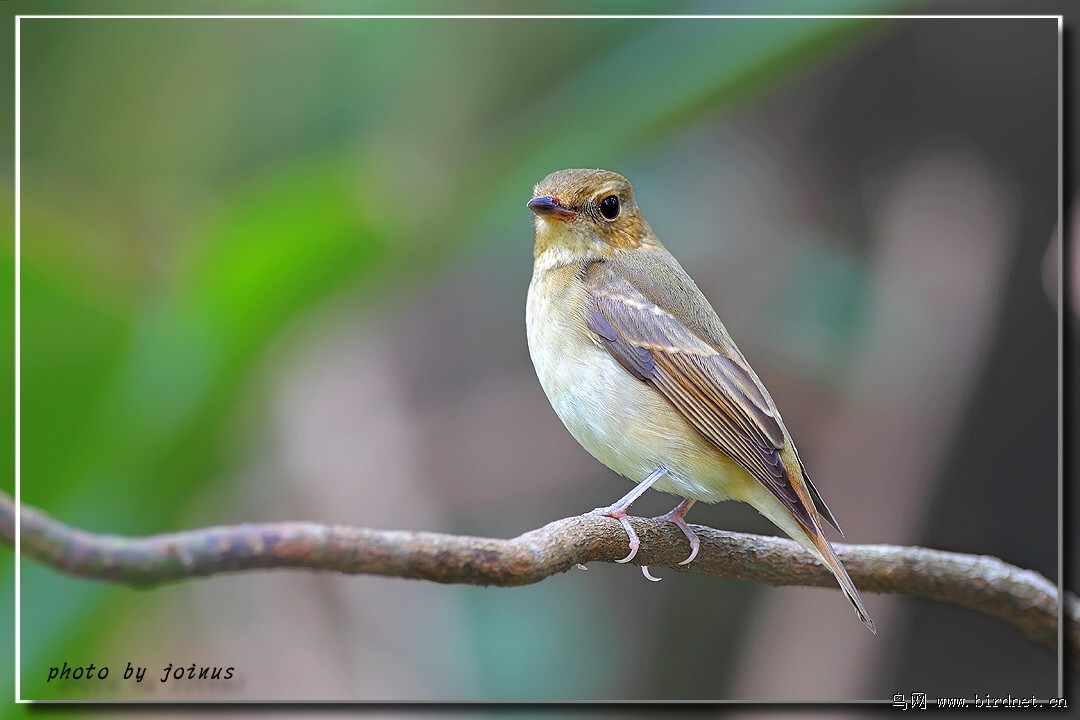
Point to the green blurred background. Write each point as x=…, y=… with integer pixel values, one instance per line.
x=276, y=269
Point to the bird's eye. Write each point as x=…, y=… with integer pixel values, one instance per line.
x=609, y=207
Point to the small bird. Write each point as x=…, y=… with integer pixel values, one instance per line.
x=643, y=374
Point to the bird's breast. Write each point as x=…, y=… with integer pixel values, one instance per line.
x=622, y=421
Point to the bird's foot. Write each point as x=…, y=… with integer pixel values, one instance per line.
x=618, y=512
x=677, y=518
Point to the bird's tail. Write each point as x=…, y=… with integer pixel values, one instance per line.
x=811, y=538
x=828, y=556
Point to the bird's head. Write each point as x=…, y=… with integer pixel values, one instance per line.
x=587, y=214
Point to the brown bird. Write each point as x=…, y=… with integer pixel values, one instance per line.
x=644, y=375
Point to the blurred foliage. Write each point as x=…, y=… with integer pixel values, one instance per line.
x=190, y=187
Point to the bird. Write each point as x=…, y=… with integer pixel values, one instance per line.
x=638, y=366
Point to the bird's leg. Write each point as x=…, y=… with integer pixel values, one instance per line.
x=618, y=510
x=677, y=517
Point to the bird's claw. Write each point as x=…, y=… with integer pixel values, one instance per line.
x=618, y=510
x=675, y=517
x=632, y=536
x=617, y=513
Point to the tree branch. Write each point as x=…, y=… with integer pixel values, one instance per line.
x=1021, y=597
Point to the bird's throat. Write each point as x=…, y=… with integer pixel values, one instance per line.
x=559, y=244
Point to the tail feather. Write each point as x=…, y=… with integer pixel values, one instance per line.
x=828, y=556
x=811, y=538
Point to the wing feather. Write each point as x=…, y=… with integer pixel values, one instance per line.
x=708, y=385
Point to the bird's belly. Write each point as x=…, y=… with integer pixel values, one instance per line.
x=623, y=422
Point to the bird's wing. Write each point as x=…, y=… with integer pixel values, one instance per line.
x=706, y=381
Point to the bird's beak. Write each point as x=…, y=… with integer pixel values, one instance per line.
x=547, y=206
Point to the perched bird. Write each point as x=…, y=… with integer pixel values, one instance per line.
x=644, y=375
